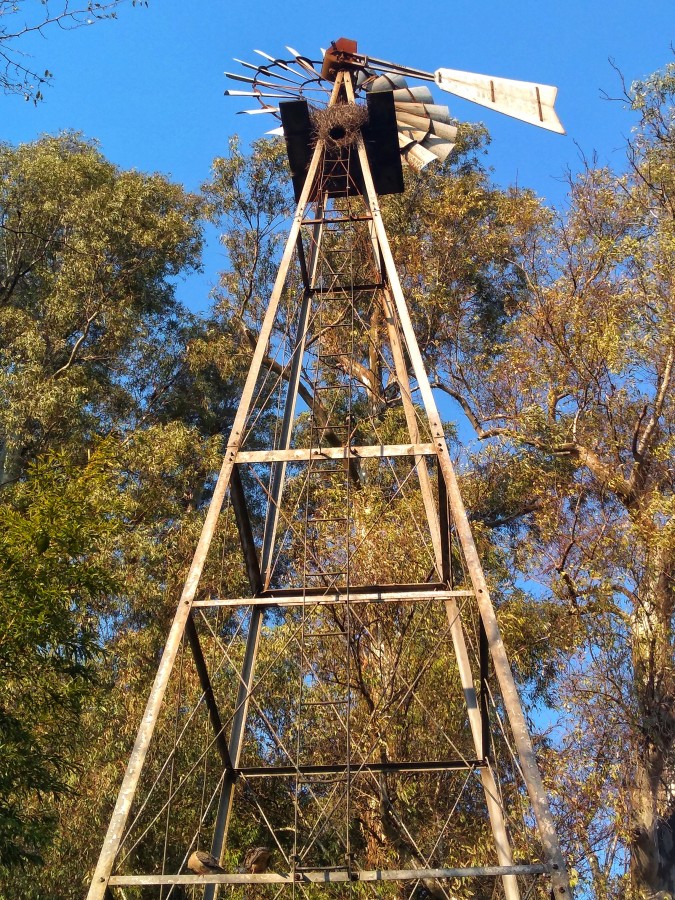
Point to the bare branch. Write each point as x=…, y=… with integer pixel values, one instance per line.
x=78, y=343
x=17, y=76
x=483, y=433
x=645, y=441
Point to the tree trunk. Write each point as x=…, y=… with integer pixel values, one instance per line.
x=653, y=792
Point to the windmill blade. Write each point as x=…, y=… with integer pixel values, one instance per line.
x=413, y=95
x=389, y=82
x=523, y=100
x=281, y=64
x=265, y=55
x=247, y=65
x=427, y=124
x=231, y=93
x=426, y=110
x=291, y=88
x=257, y=112
x=440, y=147
x=425, y=134
x=303, y=62
x=267, y=71
x=413, y=134
x=415, y=154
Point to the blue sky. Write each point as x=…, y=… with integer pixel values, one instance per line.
x=149, y=86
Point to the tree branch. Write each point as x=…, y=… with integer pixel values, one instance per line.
x=76, y=346
x=644, y=443
x=476, y=423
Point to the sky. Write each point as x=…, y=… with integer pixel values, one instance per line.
x=150, y=85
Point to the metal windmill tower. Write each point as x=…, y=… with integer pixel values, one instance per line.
x=352, y=709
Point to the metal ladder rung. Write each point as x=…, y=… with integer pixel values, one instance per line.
x=309, y=780
x=322, y=634
x=328, y=519
x=323, y=574
x=322, y=869
x=323, y=703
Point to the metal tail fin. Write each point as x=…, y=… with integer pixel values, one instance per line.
x=523, y=100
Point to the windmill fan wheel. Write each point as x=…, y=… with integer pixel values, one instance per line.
x=339, y=125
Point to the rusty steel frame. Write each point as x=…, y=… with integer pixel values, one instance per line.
x=450, y=513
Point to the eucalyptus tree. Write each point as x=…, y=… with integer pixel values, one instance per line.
x=562, y=362
x=106, y=460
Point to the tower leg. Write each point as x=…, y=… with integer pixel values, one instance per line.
x=503, y=672
x=152, y=709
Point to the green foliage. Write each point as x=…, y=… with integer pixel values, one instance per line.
x=53, y=583
x=95, y=345
x=89, y=254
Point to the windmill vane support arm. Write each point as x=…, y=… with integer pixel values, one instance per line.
x=525, y=100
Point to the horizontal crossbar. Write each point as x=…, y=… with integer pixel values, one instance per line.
x=356, y=768
x=311, y=597
x=327, y=875
x=306, y=454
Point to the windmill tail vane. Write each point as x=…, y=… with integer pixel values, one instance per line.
x=339, y=703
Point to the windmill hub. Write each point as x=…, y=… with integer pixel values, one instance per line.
x=341, y=56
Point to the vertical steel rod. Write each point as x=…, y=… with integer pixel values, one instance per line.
x=279, y=469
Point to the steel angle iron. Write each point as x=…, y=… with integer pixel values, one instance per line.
x=350, y=123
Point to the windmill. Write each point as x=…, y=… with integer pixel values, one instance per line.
x=354, y=709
